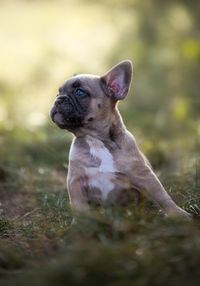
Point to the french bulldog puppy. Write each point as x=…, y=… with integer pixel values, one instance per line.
x=105, y=163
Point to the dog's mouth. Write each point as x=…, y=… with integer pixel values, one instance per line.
x=58, y=118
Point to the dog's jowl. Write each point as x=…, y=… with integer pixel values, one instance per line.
x=105, y=163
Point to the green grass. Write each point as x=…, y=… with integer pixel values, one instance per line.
x=131, y=246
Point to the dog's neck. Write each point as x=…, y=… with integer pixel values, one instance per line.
x=108, y=129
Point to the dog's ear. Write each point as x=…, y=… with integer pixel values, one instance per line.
x=116, y=81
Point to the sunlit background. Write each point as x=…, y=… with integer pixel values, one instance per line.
x=44, y=42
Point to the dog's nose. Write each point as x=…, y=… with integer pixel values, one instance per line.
x=60, y=99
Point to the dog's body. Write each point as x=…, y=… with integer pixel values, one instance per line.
x=105, y=164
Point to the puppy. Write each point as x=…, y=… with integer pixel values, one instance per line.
x=105, y=163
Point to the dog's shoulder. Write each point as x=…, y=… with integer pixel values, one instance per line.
x=78, y=149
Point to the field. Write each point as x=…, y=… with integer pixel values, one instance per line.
x=42, y=43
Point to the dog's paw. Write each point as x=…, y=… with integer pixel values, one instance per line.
x=180, y=214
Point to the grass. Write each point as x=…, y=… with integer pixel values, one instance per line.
x=132, y=246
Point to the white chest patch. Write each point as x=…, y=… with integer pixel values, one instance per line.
x=102, y=153
x=101, y=177
x=102, y=183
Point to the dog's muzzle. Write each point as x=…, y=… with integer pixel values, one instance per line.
x=65, y=113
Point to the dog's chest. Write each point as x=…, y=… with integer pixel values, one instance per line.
x=102, y=176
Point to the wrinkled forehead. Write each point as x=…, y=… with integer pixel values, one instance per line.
x=86, y=82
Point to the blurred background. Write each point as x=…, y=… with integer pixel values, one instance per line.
x=44, y=42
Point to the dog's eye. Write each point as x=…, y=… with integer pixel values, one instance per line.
x=79, y=92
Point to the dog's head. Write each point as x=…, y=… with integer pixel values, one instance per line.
x=87, y=101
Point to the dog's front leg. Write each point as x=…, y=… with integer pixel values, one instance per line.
x=77, y=196
x=146, y=181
